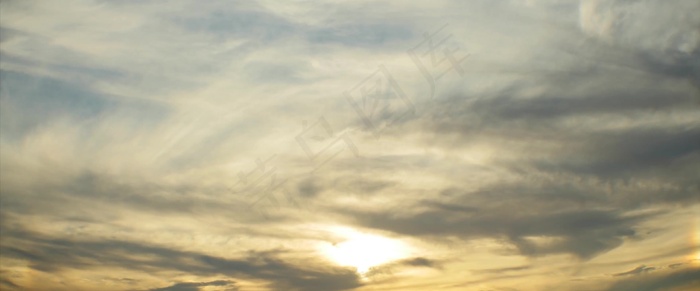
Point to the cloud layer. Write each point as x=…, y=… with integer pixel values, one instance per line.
x=517, y=145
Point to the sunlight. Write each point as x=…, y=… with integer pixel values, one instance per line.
x=364, y=251
x=695, y=238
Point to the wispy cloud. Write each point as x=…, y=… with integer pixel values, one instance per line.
x=509, y=145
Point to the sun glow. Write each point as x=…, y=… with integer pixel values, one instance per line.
x=364, y=251
x=695, y=238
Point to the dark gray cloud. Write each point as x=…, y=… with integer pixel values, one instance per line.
x=687, y=279
x=502, y=270
x=545, y=126
x=542, y=213
x=49, y=254
x=420, y=262
x=391, y=268
x=636, y=271
x=309, y=188
x=9, y=285
x=581, y=232
x=194, y=286
x=676, y=65
x=97, y=191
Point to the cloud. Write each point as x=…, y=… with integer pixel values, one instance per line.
x=400, y=265
x=132, y=132
x=503, y=270
x=629, y=22
x=665, y=37
x=584, y=233
x=194, y=286
x=49, y=254
x=9, y=284
x=420, y=262
x=636, y=271
x=677, y=280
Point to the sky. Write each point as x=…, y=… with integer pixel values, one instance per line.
x=350, y=145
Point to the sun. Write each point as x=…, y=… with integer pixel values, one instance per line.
x=364, y=251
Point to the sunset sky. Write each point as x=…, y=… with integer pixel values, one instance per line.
x=335, y=145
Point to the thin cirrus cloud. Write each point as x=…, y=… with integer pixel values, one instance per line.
x=560, y=151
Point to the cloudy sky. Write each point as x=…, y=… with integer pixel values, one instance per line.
x=350, y=145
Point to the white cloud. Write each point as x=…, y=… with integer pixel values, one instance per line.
x=646, y=24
